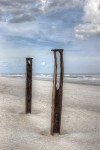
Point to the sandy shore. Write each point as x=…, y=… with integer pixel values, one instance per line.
x=80, y=128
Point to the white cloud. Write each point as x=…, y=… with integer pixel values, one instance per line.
x=84, y=31
x=44, y=4
x=92, y=11
x=91, y=20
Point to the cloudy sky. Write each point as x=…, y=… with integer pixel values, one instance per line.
x=31, y=28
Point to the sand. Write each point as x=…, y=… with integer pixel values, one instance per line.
x=80, y=126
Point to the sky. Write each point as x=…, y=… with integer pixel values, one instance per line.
x=31, y=28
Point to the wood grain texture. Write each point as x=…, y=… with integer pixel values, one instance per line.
x=57, y=94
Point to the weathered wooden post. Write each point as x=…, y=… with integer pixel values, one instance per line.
x=57, y=94
x=28, y=84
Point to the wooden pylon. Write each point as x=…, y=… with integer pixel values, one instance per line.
x=28, y=85
x=57, y=94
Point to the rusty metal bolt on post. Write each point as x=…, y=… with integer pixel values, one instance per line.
x=57, y=94
x=28, y=85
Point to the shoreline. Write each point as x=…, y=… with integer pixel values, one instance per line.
x=51, y=80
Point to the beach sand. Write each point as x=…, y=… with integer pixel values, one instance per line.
x=80, y=126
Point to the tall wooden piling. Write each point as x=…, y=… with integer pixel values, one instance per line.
x=57, y=94
x=28, y=85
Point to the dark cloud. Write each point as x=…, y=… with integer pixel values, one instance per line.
x=22, y=18
x=26, y=10
x=20, y=10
